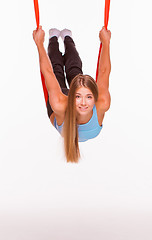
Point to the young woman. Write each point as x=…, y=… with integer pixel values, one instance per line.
x=76, y=112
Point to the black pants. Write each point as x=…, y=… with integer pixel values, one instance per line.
x=70, y=61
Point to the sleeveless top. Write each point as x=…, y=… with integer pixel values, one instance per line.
x=86, y=131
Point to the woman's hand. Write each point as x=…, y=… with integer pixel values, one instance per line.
x=105, y=36
x=38, y=36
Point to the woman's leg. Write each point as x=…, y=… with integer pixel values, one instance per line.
x=57, y=60
x=58, y=66
x=72, y=60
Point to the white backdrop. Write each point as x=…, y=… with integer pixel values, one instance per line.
x=108, y=194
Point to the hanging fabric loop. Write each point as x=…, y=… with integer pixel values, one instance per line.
x=37, y=17
x=106, y=19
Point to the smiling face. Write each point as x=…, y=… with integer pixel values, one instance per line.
x=84, y=100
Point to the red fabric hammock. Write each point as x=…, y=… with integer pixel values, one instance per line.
x=106, y=19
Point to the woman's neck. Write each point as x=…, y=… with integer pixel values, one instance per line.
x=82, y=119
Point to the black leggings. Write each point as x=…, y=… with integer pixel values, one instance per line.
x=71, y=61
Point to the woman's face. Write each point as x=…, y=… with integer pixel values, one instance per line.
x=84, y=100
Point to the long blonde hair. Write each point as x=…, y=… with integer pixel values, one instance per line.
x=70, y=129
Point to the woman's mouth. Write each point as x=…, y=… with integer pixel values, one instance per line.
x=83, y=108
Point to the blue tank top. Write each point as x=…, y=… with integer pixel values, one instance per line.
x=86, y=131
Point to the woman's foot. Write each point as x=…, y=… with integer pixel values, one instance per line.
x=65, y=32
x=53, y=32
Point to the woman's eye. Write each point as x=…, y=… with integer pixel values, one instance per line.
x=77, y=96
x=89, y=97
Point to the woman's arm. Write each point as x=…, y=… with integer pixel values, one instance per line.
x=104, y=69
x=53, y=87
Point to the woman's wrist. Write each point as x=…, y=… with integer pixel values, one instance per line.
x=105, y=43
x=40, y=45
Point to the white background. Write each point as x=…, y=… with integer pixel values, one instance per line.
x=108, y=195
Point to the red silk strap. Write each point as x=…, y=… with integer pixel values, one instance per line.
x=106, y=19
x=37, y=17
x=106, y=13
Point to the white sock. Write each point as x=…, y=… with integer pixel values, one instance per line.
x=65, y=32
x=53, y=32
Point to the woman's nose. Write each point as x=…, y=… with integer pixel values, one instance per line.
x=83, y=102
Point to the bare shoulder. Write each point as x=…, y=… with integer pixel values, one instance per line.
x=102, y=106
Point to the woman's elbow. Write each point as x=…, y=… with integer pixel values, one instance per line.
x=54, y=100
x=106, y=105
x=105, y=101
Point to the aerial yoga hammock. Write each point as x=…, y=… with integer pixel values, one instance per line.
x=106, y=19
